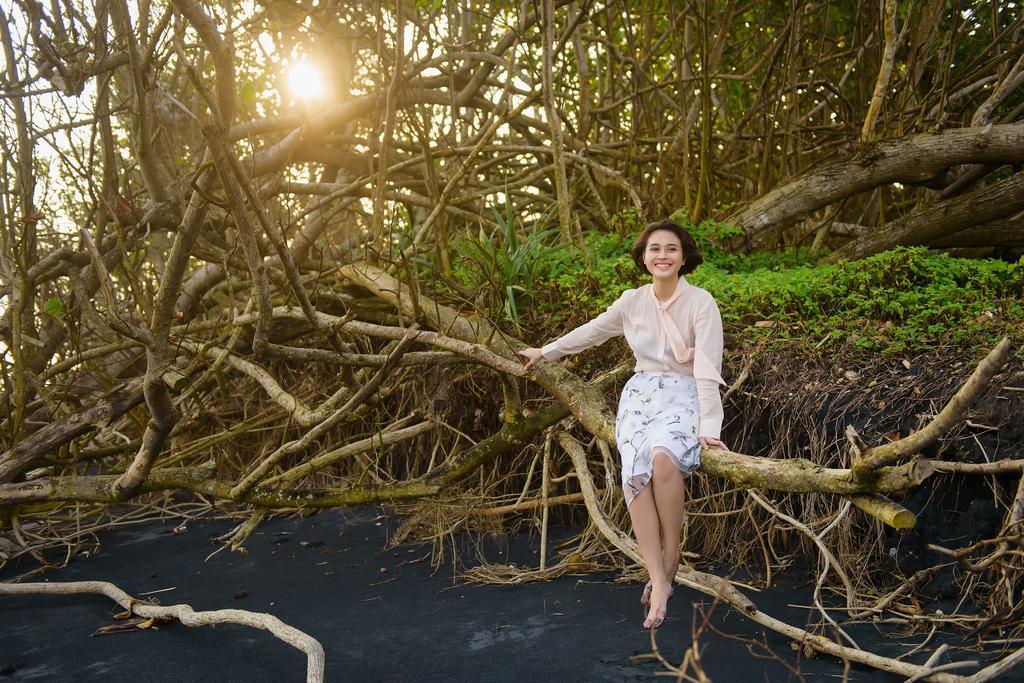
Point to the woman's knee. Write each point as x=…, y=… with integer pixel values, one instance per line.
x=662, y=466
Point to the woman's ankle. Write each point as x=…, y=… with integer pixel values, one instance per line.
x=670, y=566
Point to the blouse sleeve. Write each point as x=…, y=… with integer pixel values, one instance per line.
x=597, y=331
x=707, y=368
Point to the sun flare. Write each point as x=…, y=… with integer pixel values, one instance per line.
x=305, y=81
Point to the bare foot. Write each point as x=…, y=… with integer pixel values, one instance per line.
x=645, y=597
x=659, y=606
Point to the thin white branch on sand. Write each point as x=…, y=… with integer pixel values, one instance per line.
x=185, y=614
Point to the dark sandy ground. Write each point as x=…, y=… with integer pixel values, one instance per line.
x=381, y=615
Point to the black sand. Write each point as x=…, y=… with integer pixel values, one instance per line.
x=381, y=615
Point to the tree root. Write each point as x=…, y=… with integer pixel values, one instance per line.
x=298, y=639
x=723, y=590
x=868, y=464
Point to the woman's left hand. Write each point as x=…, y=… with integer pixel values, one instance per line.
x=708, y=442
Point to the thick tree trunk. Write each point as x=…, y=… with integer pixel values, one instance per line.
x=935, y=222
x=998, y=233
x=911, y=160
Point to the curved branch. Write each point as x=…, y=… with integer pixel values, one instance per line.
x=186, y=615
x=915, y=159
x=948, y=217
x=865, y=466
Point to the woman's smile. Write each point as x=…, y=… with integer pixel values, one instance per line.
x=663, y=254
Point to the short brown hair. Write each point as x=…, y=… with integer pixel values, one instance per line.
x=691, y=255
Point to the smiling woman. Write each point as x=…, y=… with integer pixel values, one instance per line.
x=671, y=408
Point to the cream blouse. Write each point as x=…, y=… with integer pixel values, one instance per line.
x=683, y=334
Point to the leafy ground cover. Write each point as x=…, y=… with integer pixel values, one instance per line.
x=899, y=301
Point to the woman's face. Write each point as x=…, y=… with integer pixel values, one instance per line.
x=664, y=254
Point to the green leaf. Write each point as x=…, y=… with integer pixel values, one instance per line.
x=248, y=92
x=53, y=307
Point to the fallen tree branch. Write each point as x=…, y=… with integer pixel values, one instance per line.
x=997, y=669
x=591, y=407
x=60, y=432
x=884, y=510
x=883, y=602
x=347, y=451
x=916, y=158
x=532, y=504
x=798, y=475
x=201, y=480
x=186, y=615
x=997, y=202
x=469, y=349
x=998, y=467
x=866, y=467
x=364, y=360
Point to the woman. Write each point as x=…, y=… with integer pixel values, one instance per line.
x=671, y=407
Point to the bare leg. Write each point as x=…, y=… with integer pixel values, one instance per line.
x=647, y=528
x=667, y=487
x=667, y=484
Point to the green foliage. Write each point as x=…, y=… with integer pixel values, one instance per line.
x=505, y=266
x=53, y=307
x=899, y=301
x=248, y=92
x=627, y=223
x=594, y=285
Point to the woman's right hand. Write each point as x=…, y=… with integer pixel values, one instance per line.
x=531, y=355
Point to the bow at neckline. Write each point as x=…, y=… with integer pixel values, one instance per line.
x=668, y=331
x=670, y=334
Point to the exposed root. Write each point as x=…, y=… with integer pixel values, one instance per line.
x=721, y=589
x=289, y=634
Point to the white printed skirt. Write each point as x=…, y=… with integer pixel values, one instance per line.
x=656, y=410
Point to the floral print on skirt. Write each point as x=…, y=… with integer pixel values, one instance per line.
x=656, y=410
